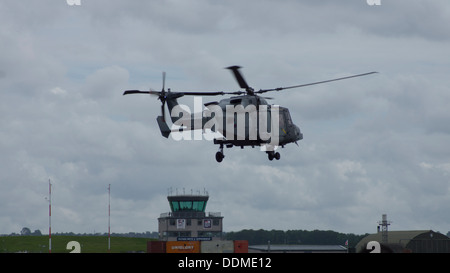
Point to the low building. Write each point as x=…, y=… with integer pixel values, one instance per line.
x=415, y=241
x=297, y=249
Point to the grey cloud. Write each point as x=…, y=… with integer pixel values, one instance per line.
x=372, y=145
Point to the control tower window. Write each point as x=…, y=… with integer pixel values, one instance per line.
x=185, y=205
x=175, y=206
x=198, y=205
x=188, y=206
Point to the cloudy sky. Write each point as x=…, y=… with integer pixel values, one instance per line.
x=373, y=145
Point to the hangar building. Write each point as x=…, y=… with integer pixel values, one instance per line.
x=415, y=241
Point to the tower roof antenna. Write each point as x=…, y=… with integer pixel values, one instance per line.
x=384, y=223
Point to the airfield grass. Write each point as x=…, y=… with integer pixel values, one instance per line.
x=89, y=244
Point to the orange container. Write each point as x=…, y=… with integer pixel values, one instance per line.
x=156, y=247
x=240, y=246
x=183, y=247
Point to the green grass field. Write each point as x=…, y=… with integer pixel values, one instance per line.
x=89, y=244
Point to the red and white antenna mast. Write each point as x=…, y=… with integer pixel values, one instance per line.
x=49, y=216
x=109, y=218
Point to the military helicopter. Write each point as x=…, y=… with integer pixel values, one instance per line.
x=244, y=119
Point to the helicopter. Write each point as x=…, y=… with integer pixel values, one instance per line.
x=244, y=119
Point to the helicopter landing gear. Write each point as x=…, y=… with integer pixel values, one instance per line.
x=271, y=155
x=219, y=154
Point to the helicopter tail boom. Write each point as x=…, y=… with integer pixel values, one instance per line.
x=163, y=127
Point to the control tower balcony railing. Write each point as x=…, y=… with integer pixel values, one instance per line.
x=190, y=214
x=214, y=214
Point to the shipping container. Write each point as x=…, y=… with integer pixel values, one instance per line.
x=217, y=247
x=156, y=246
x=183, y=247
x=240, y=246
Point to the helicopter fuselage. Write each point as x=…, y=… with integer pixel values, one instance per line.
x=246, y=120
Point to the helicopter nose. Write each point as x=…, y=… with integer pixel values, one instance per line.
x=298, y=134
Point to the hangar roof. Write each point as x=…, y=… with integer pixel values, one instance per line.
x=399, y=237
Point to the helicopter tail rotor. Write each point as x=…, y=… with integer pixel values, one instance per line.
x=162, y=95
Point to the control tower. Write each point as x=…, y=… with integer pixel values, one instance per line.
x=188, y=221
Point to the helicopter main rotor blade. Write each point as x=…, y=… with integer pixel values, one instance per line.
x=164, y=81
x=180, y=94
x=239, y=78
x=219, y=93
x=128, y=92
x=313, y=83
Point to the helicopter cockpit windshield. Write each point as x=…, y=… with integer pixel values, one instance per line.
x=285, y=117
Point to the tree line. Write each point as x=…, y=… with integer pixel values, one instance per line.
x=291, y=237
x=254, y=237
x=27, y=232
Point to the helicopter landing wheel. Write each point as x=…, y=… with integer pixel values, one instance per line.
x=277, y=156
x=219, y=156
x=272, y=155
